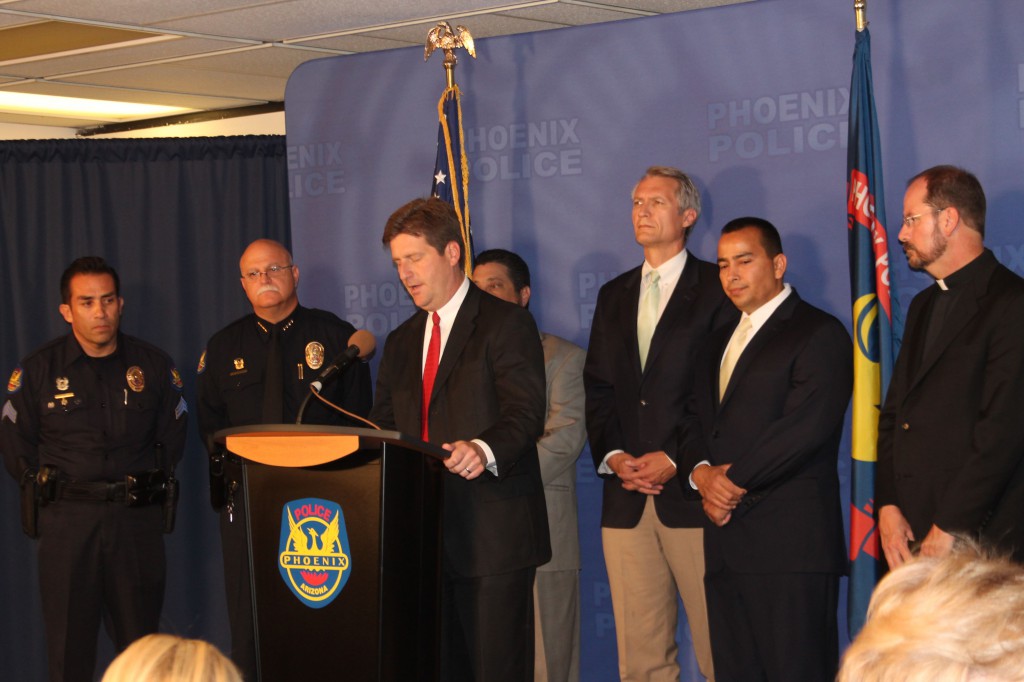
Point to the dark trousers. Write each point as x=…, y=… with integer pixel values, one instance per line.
x=98, y=561
x=487, y=627
x=237, y=586
x=773, y=627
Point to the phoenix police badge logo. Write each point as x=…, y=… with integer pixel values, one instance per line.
x=136, y=378
x=314, y=558
x=314, y=354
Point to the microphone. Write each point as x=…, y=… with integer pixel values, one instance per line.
x=361, y=346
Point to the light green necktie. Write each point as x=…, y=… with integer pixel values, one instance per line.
x=647, y=318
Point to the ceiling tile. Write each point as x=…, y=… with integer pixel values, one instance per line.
x=305, y=18
x=229, y=53
x=46, y=37
x=480, y=26
x=125, y=56
x=359, y=42
x=570, y=15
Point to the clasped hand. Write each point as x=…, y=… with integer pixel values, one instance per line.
x=720, y=495
x=646, y=474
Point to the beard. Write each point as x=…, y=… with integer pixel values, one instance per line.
x=919, y=259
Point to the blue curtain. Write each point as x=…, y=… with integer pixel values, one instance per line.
x=173, y=216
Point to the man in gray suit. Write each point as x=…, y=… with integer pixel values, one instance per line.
x=556, y=590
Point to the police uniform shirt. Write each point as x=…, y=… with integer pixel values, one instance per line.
x=231, y=371
x=95, y=419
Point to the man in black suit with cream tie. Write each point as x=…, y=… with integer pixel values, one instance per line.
x=761, y=447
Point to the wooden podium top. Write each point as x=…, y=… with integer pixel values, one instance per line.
x=304, y=445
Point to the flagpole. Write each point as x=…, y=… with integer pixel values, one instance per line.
x=451, y=170
x=860, y=10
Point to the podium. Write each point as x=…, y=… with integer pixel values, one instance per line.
x=344, y=537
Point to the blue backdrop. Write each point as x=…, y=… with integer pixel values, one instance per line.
x=751, y=99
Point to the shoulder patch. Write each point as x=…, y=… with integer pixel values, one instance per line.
x=176, y=378
x=14, y=383
x=202, y=363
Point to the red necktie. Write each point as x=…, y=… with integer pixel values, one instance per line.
x=429, y=372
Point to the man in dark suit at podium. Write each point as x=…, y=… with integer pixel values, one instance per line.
x=258, y=370
x=472, y=380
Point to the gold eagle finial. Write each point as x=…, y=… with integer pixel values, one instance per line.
x=442, y=37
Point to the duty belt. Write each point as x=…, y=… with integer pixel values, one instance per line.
x=99, y=491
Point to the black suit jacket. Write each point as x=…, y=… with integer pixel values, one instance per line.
x=951, y=433
x=489, y=386
x=779, y=425
x=639, y=412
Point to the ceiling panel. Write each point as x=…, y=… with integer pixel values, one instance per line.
x=481, y=26
x=7, y=20
x=138, y=12
x=571, y=15
x=301, y=18
x=360, y=42
x=666, y=6
x=227, y=54
x=46, y=37
x=175, y=78
x=120, y=57
x=255, y=74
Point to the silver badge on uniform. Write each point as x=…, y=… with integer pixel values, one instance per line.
x=62, y=383
x=314, y=354
x=136, y=379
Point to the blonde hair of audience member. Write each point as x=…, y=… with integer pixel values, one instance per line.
x=167, y=658
x=959, y=618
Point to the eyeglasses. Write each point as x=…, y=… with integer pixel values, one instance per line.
x=272, y=271
x=909, y=220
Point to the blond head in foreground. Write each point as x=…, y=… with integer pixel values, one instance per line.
x=959, y=618
x=168, y=658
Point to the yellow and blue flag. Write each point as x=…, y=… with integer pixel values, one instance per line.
x=451, y=170
x=877, y=322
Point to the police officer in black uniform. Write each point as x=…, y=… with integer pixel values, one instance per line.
x=92, y=426
x=258, y=370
